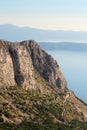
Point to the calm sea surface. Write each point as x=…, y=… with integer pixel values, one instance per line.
x=74, y=67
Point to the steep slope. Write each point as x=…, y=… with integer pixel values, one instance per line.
x=25, y=57
x=6, y=66
x=23, y=68
x=34, y=93
x=21, y=109
x=45, y=65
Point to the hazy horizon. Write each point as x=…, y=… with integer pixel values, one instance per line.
x=37, y=28
x=66, y=16
x=47, y=14
x=10, y=32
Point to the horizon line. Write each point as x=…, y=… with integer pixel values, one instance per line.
x=44, y=29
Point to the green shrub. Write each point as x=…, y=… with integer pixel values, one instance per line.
x=7, y=114
x=1, y=119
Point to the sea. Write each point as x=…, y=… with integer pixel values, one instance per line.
x=74, y=67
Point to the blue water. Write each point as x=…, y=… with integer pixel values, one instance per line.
x=74, y=67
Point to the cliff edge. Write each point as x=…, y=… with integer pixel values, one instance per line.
x=34, y=93
x=18, y=61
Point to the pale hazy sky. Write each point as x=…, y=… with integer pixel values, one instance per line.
x=45, y=14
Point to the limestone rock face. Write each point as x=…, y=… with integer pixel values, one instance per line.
x=45, y=65
x=18, y=62
x=23, y=68
x=6, y=66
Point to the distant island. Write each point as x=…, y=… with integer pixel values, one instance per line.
x=64, y=46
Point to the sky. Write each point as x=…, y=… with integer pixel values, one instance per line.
x=45, y=14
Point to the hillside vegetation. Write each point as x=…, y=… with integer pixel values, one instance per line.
x=34, y=93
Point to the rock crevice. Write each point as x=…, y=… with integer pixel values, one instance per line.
x=19, y=60
x=17, y=73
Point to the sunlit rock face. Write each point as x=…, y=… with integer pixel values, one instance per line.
x=6, y=66
x=18, y=62
x=45, y=65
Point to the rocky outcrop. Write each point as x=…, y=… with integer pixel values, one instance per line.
x=6, y=66
x=18, y=62
x=23, y=68
x=45, y=65
x=26, y=65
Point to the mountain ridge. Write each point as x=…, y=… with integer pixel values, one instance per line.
x=14, y=33
x=34, y=92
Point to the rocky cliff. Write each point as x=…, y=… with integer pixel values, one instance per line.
x=18, y=61
x=6, y=66
x=47, y=104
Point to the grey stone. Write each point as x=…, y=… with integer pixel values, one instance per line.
x=18, y=61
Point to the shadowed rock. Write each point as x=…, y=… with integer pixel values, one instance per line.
x=45, y=65
x=19, y=60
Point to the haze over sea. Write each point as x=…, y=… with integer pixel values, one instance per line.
x=72, y=59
